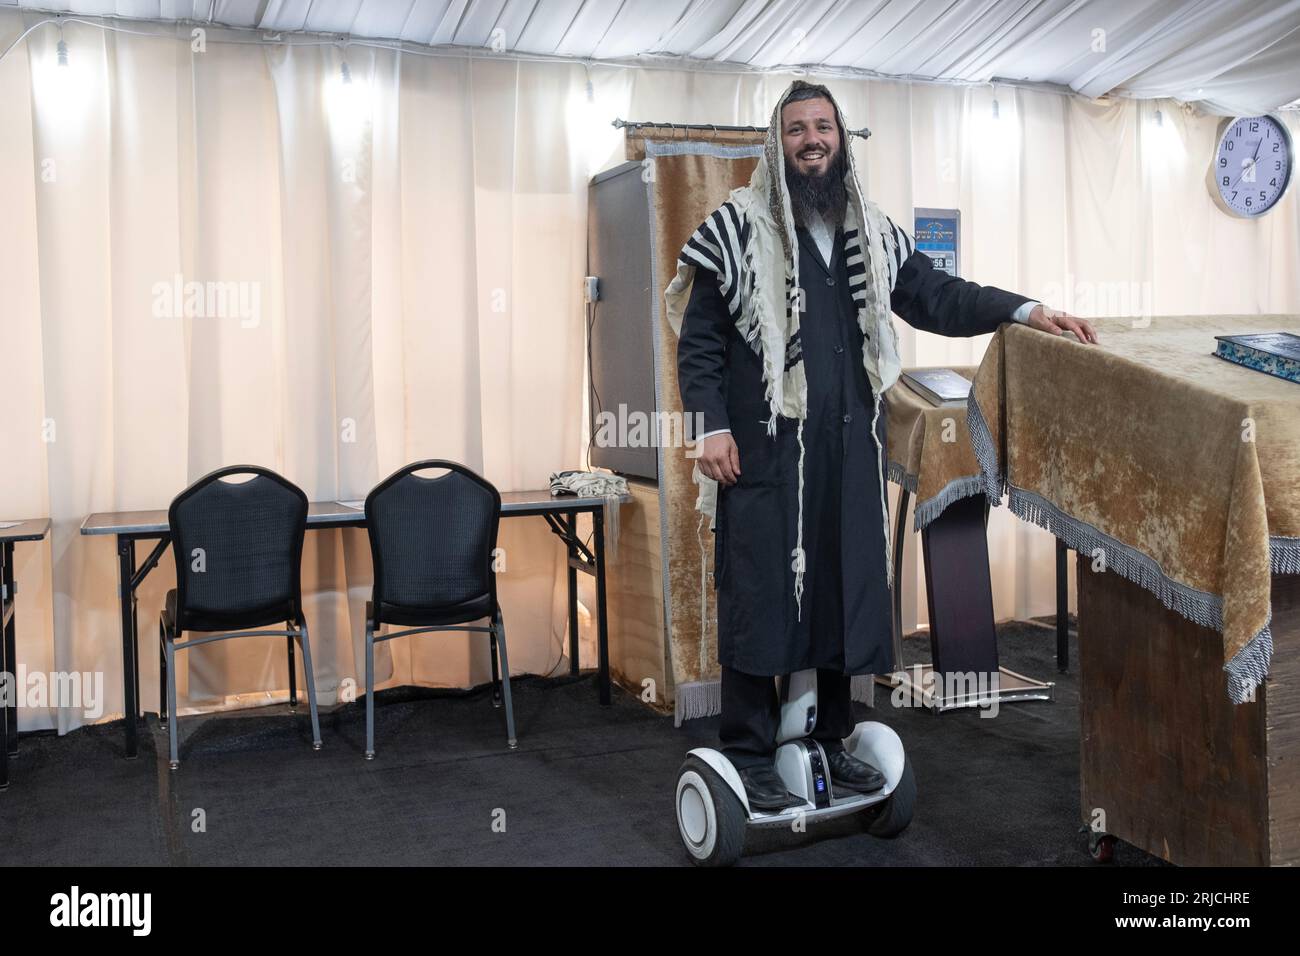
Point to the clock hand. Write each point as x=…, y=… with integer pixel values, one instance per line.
x=1252, y=164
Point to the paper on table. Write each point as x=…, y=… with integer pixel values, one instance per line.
x=358, y=505
x=9, y=524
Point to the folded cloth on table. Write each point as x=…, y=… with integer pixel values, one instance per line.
x=588, y=484
x=592, y=484
x=930, y=452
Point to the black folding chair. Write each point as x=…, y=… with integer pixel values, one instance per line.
x=433, y=543
x=238, y=549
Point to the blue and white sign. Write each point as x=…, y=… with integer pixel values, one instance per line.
x=938, y=235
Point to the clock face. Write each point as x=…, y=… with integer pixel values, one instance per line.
x=1252, y=166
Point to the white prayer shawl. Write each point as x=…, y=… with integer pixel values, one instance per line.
x=750, y=242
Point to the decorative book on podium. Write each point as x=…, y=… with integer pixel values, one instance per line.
x=1277, y=353
x=939, y=386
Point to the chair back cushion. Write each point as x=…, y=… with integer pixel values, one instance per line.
x=432, y=538
x=238, y=549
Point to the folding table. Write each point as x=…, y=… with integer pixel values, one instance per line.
x=561, y=514
x=34, y=529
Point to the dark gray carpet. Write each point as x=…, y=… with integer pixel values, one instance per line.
x=587, y=786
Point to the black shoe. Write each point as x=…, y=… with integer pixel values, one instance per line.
x=765, y=789
x=850, y=773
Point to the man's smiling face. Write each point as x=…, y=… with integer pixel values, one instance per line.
x=810, y=136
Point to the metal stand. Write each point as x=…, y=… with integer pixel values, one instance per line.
x=581, y=558
x=923, y=686
x=963, y=640
x=29, y=530
x=129, y=578
x=8, y=664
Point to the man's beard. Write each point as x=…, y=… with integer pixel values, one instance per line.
x=824, y=194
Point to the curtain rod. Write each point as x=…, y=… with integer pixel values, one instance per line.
x=717, y=128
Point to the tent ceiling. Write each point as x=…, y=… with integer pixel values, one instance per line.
x=1232, y=56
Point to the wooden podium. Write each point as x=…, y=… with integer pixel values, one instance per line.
x=1168, y=763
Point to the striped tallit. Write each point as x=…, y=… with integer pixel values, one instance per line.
x=719, y=245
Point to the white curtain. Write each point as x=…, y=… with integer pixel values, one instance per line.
x=402, y=258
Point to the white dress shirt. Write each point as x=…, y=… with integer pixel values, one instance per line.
x=821, y=233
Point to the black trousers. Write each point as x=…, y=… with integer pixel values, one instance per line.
x=751, y=715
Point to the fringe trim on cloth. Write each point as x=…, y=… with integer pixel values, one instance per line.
x=800, y=564
x=1284, y=554
x=611, y=509
x=704, y=591
x=898, y=475
x=967, y=486
x=596, y=483
x=883, y=455
x=986, y=452
x=697, y=699
x=1248, y=667
x=862, y=688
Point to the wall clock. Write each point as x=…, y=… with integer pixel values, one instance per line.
x=1252, y=165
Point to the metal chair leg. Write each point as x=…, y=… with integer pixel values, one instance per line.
x=496, y=674
x=370, y=691
x=163, y=711
x=499, y=627
x=293, y=672
x=305, y=637
x=169, y=652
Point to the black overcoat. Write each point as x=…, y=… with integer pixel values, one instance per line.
x=844, y=619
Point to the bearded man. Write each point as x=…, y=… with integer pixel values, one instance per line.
x=782, y=301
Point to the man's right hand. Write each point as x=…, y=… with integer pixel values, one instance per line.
x=720, y=459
